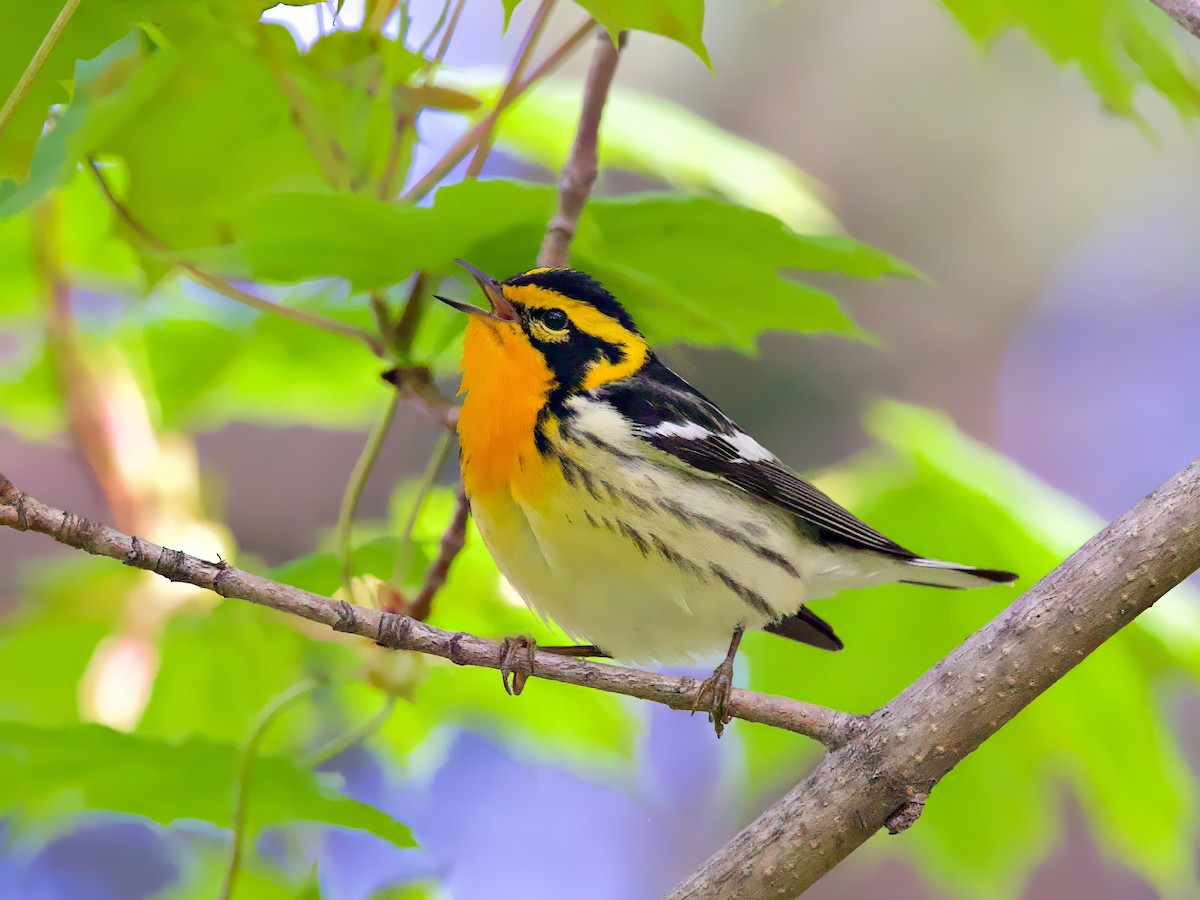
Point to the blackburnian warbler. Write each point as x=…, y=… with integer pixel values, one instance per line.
x=624, y=505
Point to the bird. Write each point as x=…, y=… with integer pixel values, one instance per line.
x=624, y=505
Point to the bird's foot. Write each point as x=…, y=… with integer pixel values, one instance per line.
x=714, y=694
x=516, y=662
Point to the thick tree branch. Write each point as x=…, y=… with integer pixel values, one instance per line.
x=24, y=513
x=579, y=173
x=882, y=778
x=1185, y=12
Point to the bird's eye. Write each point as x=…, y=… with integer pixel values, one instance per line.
x=555, y=318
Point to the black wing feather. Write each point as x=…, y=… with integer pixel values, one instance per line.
x=656, y=395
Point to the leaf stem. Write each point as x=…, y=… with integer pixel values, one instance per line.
x=446, y=37
x=224, y=288
x=357, y=484
x=266, y=718
x=45, y=48
x=353, y=737
x=516, y=72
x=467, y=141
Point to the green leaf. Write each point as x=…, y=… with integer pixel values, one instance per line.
x=219, y=668
x=687, y=151
x=644, y=247
x=95, y=25
x=194, y=159
x=509, y=7
x=374, y=244
x=1118, y=45
x=947, y=496
x=45, y=647
x=89, y=767
x=679, y=20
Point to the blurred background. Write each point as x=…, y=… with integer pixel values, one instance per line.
x=1055, y=325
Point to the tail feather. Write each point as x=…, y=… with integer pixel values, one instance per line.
x=935, y=573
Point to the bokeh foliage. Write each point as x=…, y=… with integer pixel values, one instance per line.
x=282, y=168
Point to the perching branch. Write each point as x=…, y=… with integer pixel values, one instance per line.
x=212, y=282
x=579, y=173
x=882, y=778
x=24, y=513
x=1185, y=12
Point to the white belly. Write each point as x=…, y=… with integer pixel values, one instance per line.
x=651, y=563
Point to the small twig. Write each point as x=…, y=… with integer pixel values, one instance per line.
x=424, y=487
x=357, y=484
x=452, y=542
x=374, y=342
x=20, y=511
x=391, y=167
x=1185, y=12
x=467, y=141
x=579, y=173
x=338, y=745
x=515, y=73
x=436, y=59
x=270, y=713
x=416, y=383
x=25, y=82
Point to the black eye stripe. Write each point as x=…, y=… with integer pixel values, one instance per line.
x=555, y=318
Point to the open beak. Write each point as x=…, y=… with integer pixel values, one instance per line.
x=501, y=309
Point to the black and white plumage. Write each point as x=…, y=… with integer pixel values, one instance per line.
x=627, y=507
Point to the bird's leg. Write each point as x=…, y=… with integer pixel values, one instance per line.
x=516, y=662
x=516, y=659
x=719, y=685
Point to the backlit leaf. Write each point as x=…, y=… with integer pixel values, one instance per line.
x=89, y=767
x=680, y=20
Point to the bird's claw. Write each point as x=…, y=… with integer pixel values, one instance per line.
x=516, y=662
x=714, y=694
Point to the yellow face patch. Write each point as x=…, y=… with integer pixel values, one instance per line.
x=591, y=321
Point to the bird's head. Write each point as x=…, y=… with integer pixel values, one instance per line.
x=557, y=324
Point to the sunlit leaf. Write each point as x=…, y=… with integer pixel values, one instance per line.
x=680, y=20
x=94, y=25
x=88, y=767
x=45, y=647
x=218, y=669
x=1118, y=45
x=642, y=246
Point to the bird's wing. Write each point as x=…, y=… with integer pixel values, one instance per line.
x=673, y=416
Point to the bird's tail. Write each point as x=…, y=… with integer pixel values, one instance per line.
x=935, y=573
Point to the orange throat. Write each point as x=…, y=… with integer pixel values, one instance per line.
x=506, y=382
